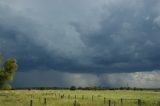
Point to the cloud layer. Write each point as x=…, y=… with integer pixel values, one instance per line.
x=86, y=36
x=54, y=78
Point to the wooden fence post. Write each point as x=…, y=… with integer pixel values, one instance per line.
x=75, y=97
x=121, y=102
x=39, y=98
x=75, y=103
x=45, y=101
x=31, y=103
x=114, y=103
x=82, y=97
x=139, y=102
x=92, y=97
x=109, y=102
x=104, y=100
x=68, y=96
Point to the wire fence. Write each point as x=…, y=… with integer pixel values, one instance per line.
x=58, y=99
x=74, y=100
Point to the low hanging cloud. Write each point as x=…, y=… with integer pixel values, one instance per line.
x=54, y=78
x=137, y=79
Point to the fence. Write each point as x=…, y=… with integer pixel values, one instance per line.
x=82, y=100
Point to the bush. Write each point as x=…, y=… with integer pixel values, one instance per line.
x=7, y=87
x=73, y=88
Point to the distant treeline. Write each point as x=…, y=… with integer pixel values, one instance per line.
x=85, y=88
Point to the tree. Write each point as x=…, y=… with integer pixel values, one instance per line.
x=7, y=72
x=7, y=87
x=73, y=88
x=1, y=59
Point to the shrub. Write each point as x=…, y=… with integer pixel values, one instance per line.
x=7, y=87
x=73, y=88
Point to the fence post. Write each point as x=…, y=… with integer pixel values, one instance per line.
x=104, y=100
x=139, y=102
x=109, y=102
x=82, y=97
x=75, y=97
x=45, y=101
x=92, y=97
x=62, y=96
x=121, y=102
x=114, y=103
x=75, y=103
x=68, y=96
x=31, y=103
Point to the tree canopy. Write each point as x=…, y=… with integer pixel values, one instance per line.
x=7, y=71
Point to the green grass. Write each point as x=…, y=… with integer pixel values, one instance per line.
x=83, y=98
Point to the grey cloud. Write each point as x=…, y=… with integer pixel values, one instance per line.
x=127, y=39
x=21, y=37
x=52, y=78
x=137, y=79
x=81, y=36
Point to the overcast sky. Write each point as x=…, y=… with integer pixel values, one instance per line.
x=82, y=42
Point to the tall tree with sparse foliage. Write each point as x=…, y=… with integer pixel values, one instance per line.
x=7, y=72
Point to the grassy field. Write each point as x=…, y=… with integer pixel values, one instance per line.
x=79, y=98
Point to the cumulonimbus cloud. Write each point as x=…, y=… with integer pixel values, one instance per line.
x=102, y=36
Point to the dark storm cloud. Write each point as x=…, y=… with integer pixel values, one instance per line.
x=54, y=78
x=82, y=42
x=17, y=39
x=83, y=36
x=128, y=39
